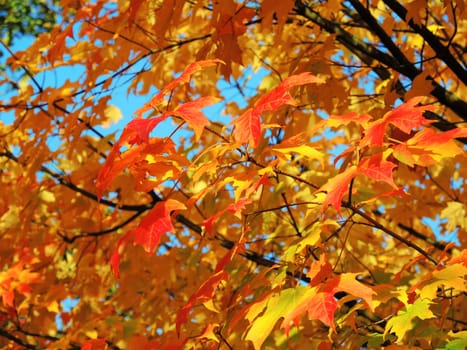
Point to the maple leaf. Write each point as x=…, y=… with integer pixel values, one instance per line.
x=116, y=162
x=115, y=258
x=183, y=78
x=376, y=168
x=192, y=114
x=134, y=7
x=16, y=278
x=248, y=128
x=303, y=150
x=204, y=293
x=94, y=344
x=337, y=187
x=405, y=117
x=345, y=119
x=403, y=321
x=320, y=306
x=319, y=270
x=137, y=131
x=155, y=224
x=408, y=116
x=348, y=283
x=248, y=125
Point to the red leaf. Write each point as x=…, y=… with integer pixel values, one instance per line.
x=238, y=206
x=137, y=131
x=377, y=169
x=280, y=96
x=204, y=293
x=407, y=116
x=183, y=78
x=115, y=258
x=248, y=126
x=374, y=134
x=156, y=223
x=94, y=344
x=116, y=162
x=430, y=138
x=337, y=187
x=319, y=271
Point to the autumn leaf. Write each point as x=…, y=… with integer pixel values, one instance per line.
x=268, y=311
x=348, y=283
x=94, y=344
x=403, y=321
x=248, y=125
x=320, y=306
x=303, y=150
x=241, y=249
x=319, y=270
x=376, y=168
x=192, y=114
x=339, y=120
x=182, y=79
x=337, y=187
x=406, y=117
x=204, y=293
x=19, y=279
x=156, y=223
x=118, y=251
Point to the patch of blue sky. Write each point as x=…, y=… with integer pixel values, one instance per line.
x=436, y=226
x=67, y=305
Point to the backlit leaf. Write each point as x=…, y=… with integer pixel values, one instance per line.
x=155, y=224
x=337, y=187
x=403, y=321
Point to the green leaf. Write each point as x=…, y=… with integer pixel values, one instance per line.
x=403, y=321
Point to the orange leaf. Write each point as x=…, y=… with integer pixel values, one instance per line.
x=345, y=119
x=280, y=96
x=346, y=282
x=320, y=306
x=337, y=187
x=192, y=114
x=430, y=138
x=116, y=162
x=248, y=128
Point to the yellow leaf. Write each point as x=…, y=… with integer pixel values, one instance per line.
x=112, y=115
x=303, y=150
x=53, y=307
x=47, y=196
x=456, y=215
x=92, y=334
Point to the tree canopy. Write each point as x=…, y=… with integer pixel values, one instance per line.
x=288, y=174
